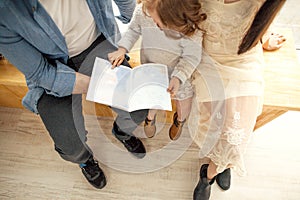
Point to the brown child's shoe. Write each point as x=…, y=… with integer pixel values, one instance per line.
x=150, y=127
x=176, y=128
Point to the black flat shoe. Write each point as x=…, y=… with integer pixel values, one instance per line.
x=223, y=179
x=202, y=190
x=133, y=144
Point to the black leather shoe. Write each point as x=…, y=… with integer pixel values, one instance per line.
x=133, y=144
x=202, y=190
x=93, y=173
x=223, y=179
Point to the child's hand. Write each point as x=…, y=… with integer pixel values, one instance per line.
x=173, y=86
x=116, y=57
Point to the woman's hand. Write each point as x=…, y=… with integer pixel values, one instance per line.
x=173, y=86
x=81, y=84
x=117, y=57
x=273, y=42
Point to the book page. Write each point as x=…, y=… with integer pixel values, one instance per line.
x=109, y=86
x=143, y=87
x=149, y=87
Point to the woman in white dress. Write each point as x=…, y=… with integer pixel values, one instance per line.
x=229, y=87
x=228, y=84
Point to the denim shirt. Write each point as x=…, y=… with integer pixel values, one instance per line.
x=32, y=42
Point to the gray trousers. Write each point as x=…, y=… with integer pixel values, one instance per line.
x=63, y=116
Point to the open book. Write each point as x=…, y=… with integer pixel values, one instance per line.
x=143, y=87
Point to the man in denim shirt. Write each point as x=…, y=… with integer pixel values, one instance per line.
x=48, y=41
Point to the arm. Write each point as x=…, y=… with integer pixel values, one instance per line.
x=190, y=57
x=134, y=30
x=126, y=8
x=56, y=78
x=128, y=40
x=81, y=84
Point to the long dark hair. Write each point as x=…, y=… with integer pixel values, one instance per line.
x=260, y=24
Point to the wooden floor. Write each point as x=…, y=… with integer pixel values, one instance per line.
x=31, y=169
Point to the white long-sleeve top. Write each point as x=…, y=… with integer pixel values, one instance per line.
x=182, y=56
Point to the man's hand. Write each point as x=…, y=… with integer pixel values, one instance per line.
x=173, y=86
x=81, y=84
x=117, y=57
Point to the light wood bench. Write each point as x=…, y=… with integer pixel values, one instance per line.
x=13, y=88
x=282, y=80
x=12, y=85
x=282, y=89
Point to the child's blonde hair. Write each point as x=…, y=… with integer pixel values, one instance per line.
x=183, y=16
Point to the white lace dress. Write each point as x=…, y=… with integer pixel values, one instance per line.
x=228, y=87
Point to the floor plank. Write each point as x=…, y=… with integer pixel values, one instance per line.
x=31, y=169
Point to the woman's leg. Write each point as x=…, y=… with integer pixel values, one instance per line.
x=211, y=170
x=224, y=130
x=227, y=128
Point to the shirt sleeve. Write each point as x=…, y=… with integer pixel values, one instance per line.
x=56, y=78
x=126, y=8
x=133, y=32
x=190, y=58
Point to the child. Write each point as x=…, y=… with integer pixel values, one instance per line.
x=181, y=53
